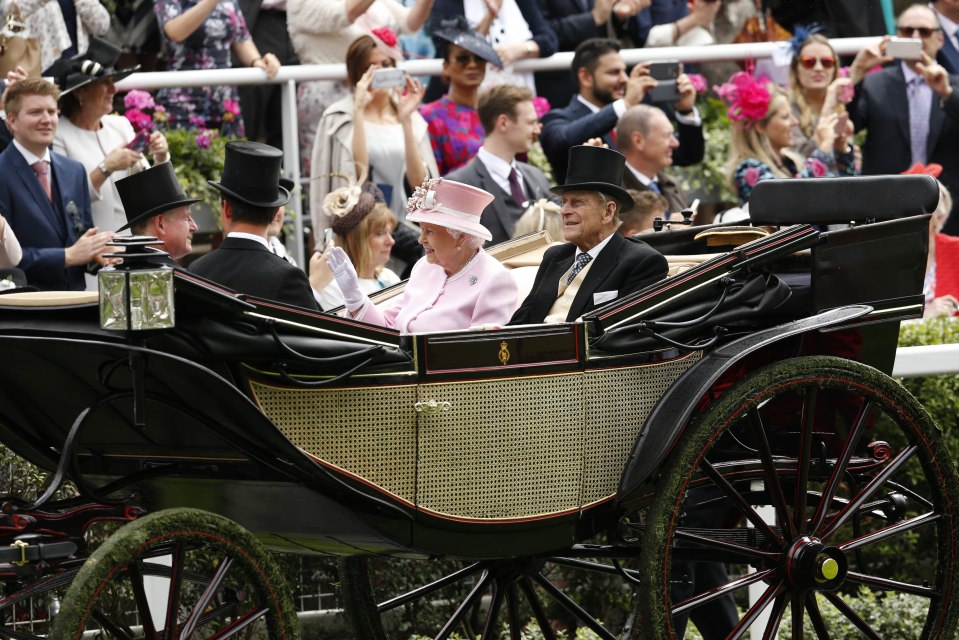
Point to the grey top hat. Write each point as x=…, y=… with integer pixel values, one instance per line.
x=251, y=174
x=596, y=169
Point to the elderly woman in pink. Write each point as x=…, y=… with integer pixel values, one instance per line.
x=456, y=285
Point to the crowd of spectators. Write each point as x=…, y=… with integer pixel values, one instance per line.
x=478, y=123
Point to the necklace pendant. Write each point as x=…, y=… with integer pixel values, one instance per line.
x=473, y=280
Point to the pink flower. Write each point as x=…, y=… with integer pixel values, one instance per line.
x=541, y=106
x=197, y=121
x=139, y=119
x=751, y=176
x=138, y=100
x=202, y=141
x=748, y=98
x=818, y=168
x=844, y=72
x=699, y=82
x=386, y=35
x=231, y=106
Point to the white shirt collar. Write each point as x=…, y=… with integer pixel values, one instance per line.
x=910, y=74
x=589, y=105
x=640, y=176
x=29, y=157
x=249, y=236
x=497, y=167
x=594, y=252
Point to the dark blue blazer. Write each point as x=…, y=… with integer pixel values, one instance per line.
x=45, y=229
x=575, y=124
x=948, y=57
x=882, y=106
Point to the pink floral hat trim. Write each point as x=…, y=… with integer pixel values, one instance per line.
x=747, y=98
x=449, y=204
x=387, y=40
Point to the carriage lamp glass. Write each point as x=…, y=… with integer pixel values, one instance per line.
x=137, y=294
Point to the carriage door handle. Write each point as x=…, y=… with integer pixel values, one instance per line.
x=432, y=406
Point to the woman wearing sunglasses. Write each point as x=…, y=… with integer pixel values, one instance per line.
x=816, y=90
x=454, y=126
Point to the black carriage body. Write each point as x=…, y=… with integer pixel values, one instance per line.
x=325, y=435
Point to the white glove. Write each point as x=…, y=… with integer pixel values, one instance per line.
x=346, y=278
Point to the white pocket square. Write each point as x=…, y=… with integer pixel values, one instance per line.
x=604, y=296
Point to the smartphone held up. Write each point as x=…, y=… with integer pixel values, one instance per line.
x=389, y=78
x=904, y=48
x=140, y=141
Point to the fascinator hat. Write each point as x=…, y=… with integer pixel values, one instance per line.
x=458, y=31
x=801, y=34
x=386, y=39
x=449, y=204
x=347, y=206
x=746, y=97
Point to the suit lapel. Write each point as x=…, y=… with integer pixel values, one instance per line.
x=488, y=184
x=603, y=265
x=948, y=56
x=545, y=296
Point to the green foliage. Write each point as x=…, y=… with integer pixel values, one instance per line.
x=891, y=615
x=198, y=157
x=707, y=180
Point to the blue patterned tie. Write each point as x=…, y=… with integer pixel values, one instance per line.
x=581, y=261
x=655, y=187
x=920, y=104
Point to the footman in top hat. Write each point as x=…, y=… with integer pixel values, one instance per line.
x=155, y=205
x=251, y=192
x=596, y=265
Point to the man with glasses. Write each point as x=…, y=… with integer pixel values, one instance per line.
x=948, y=13
x=155, y=205
x=45, y=196
x=909, y=109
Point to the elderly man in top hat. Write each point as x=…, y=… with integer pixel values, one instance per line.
x=156, y=205
x=596, y=265
x=251, y=192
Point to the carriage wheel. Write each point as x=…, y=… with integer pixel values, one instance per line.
x=860, y=487
x=493, y=599
x=26, y=611
x=179, y=573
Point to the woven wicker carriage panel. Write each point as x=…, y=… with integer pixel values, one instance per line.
x=617, y=403
x=368, y=432
x=505, y=449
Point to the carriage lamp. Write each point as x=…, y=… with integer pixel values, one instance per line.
x=137, y=293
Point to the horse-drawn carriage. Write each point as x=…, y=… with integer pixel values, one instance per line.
x=736, y=419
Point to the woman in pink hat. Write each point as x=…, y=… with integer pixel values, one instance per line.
x=456, y=285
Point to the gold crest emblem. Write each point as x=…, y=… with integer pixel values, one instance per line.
x=503, y=353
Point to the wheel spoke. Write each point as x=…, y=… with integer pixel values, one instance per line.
x=427, y=589
x=890, y=531
x=747, y=620
x=839, y=470
x=750, y=513
x=112, y=628
x=471, y=599
x=769, y=472
x=594, y=566
x=775, y=617
x=795, y=612
x=239, y=625
x=886, y=584
x=718, y=592
x=140, y=599
x=492, y=614
x=867, y=492
x=512, y=612
x=541, y=618
x=805, y=453
x=818, y=624
x=714, y=543
x=173, y=595
x=851, y=615
x=211, y=589
x=564, y=601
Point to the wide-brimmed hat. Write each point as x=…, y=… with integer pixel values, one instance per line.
x=96, y=63
x=251, y=174
x=596, y=169
x=458, y=31
x=449, y=204
x=151, y=192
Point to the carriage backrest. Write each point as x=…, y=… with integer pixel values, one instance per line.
x=842, y=200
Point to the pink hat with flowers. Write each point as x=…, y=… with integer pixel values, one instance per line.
x=449, y=204
x=747, y=98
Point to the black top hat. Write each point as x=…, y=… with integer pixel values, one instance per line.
x=97, y=63
x=251, y=174
x=596, y=169
x=458, y=31
x=151, y=192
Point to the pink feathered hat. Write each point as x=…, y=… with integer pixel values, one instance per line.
x=449, y=204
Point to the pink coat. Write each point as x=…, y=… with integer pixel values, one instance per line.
x=482, y=293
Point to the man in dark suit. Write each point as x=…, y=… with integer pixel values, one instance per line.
x=948, y=13
x=510, y=124
x=260, y=104
x=155, y=205
x=596, y=265
x=44, y=195
x=251, y=192
x=605, y=92
x=910, y=109
x=646, y=138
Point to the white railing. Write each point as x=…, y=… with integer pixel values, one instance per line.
x=289, y=76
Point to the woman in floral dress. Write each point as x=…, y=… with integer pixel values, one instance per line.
x=762, y=126
x=200, y=35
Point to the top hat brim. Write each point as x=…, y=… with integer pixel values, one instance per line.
x=166, y=206
x=284, y=195
x=622, y=196
x=471, y=42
